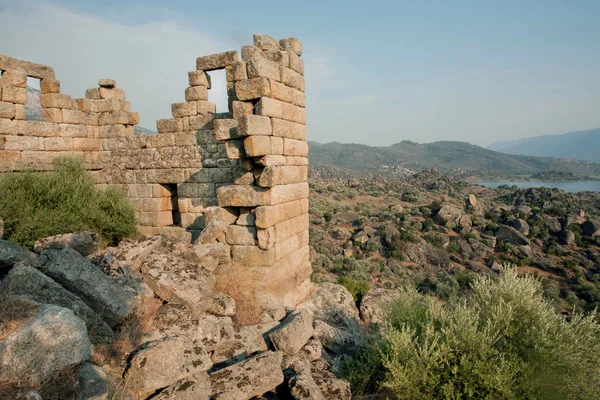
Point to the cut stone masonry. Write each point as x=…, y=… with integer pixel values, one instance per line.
x=238, y=178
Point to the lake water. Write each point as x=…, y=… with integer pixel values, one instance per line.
x=567, y=186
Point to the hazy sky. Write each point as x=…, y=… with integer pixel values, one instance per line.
x=377, y=72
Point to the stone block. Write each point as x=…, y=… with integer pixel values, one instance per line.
x=285, y=247
x=270, y=160
x=256, y=146
x=8, y=157
x=112, y=93
x=239, y=108
x=291, y=44
x=226, y=129
x=206, y=107
x=265, y=42
x=287, y=193
x=199, y=78
x=240, y=235
x=236, y=72
x=20, y=112
x=250, y=51
x=159, y=218
x=169, y=125
x=30, y=69
x=107, y=83
x=118, y=118
x=290, y=227
x=276, y=145
x=242, y=196
x=266, y=238
x=216, y=175
x=186, y=109
x=252, y=256
x=188, y=189
x=268, y=216
x=14, y=94
x=7, y=110
x=57, y=100
x=104, y=105
x=22, y=143
x=195, y=93
x=8, y=127
x=138, y=190
x=203, y=121
x=292, y=147
x=14, y=78
x=85, y=144
x=260, y=67
x=269, y=107
x=37, y=128
x=296, y=63
x=52, y=115
x=156, y=204
x=293, y=113
x=185, y=139
x=58, y=144
x=77, y=117
x=235, y=149
x=113, y=131
x=216, y=61
x=279, y=91
x=250, y=125
x=93, y=93
x=282, y=175
x=288, y=129
x=245, y=219
x=296, y=160
x=278, y=57
x=49, y=86
x=292, y=78
x=252, y=89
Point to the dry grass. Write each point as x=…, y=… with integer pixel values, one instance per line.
x=13, y=313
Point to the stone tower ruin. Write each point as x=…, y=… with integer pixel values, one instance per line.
x=236, y=180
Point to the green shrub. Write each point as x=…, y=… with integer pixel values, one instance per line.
x=503, y=342
x=39, y=204
x=357, y=287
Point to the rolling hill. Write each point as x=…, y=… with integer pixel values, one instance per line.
x=457, y=158
x=580, y=145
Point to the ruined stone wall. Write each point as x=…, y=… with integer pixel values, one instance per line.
x=239, y=177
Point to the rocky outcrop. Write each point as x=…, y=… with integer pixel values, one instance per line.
x=508, y=234
x=11, y=253
x=85, y=243
x=591, y=228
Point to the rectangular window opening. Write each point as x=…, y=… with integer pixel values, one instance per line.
x=218, y=92
x=33, y=108
x=172, y=188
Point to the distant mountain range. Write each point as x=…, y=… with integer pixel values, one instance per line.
x=456, y=158
x=580, y=145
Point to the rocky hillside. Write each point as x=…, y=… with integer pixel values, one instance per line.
x=143, y=320
x=457, y=158
x=580, y=145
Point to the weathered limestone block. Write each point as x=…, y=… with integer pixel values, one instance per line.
x=296, y=160
x=114, y=131
x=192, y=388
x=240, y=235
x=49, y=337
x=57, y=100
x=291, y=44
x=288, y=129
x=256, y=146
x=58, y=144
x=162, y=363
x=93, y=93
x=111, y=93
x=195, y=93
x=278, y=57
x=107, y=83
x=249, y=378
x=261, y=67
x=242, y=196
x=103, y=105
x=287, y=228
x=266, y=238
x=236, y=72
x=84, y=242
x=265, y=42
x=118, y=118
x=239, y=108
x=245, y=219
x=23, y=143
x=292, y=78
x=270, y=160
x=250, y=51
x=216, y=61
x=267, y=216
x=282, y=175
x=293, y=113
x=287, y=94
x=30, y=69
x=293, y=333
x=206, y=107
x=204, y=122
x=235, y=149
x=186, y=109
x=252, y=256
x=169, y=125
x=269, y=107
x=199, y=78
x=252, y=89
x=79, y=117
x=14, y=94
x=226, y=129
x=254, y=125
x=20, y=112
x=7, y=110
x=288, y=193
x=8, y=127
x=296, y=63
x=292, y=147
x=227, y=215
x=303, y=387
x=14, y=78
x=52, y=115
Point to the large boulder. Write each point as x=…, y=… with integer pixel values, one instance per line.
x=374, y=303
x=424, y=253
x=161, y=363
x=521, y=225
x=39, y=340
x=11, y=253
x=508, y=234
x=112, y=301
x=196, y=388
x=293, y=333
x=448, y=214
x=567, y=237
x=249, y=378
x=303, y=387
x=85, y=243
x=28, y=282
x=591, y=228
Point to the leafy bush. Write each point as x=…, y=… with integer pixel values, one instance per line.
x=357, y=288
x=503, y=342
x=39, y=204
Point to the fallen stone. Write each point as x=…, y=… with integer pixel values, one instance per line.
x=196, y=388
x=303, y=387
x=508, y=234
x=251, y=377
x=46, y=339
x=521, y=225
x=93, y=382
x=29, y=283
x=11, y=253
x=448, y=214
x=161, y=363
x=331, y=387
x=85, y=243
x=79, y=276
x=293, y=333
x=212, y=232
x=255, y=336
